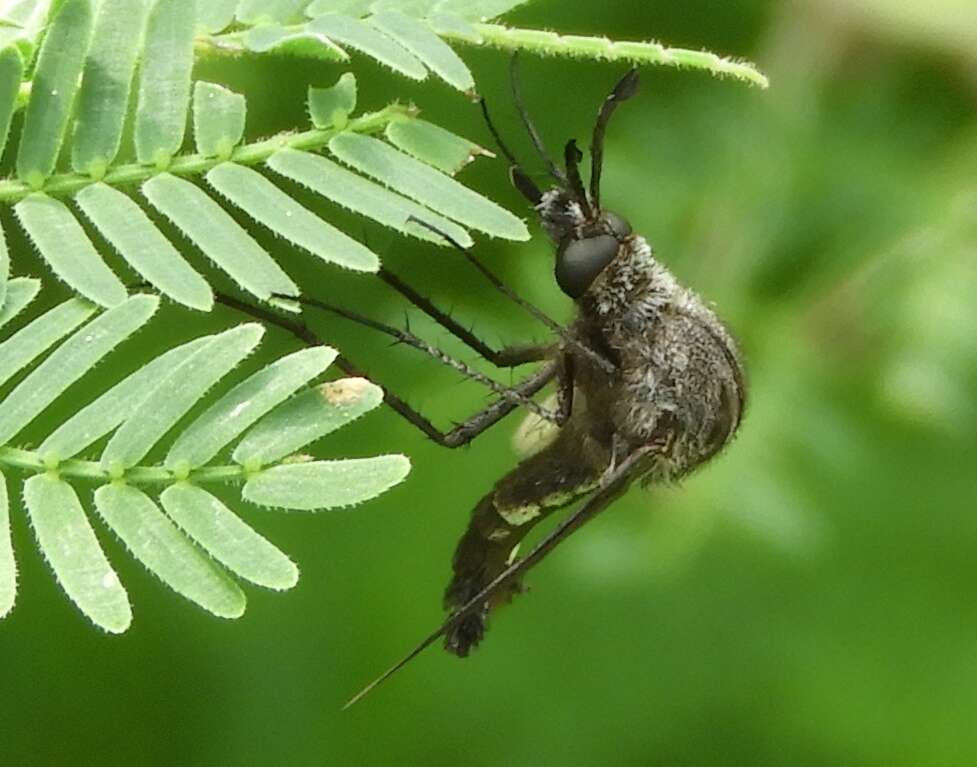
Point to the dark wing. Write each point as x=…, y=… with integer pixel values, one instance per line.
x=614, y=484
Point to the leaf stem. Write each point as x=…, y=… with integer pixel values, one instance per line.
x=577, y=46
x=12, y=190
x=547, y=43
x=27, y=460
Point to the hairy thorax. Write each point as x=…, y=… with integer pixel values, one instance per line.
x=679, y=381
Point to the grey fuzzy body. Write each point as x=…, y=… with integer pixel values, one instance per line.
x=679, y=379
x=677, y=387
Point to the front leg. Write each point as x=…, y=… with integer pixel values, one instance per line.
x=463, y=433
x=565, y=386
x=507, y=357
x=472, y=427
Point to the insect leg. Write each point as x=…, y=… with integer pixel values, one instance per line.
x=468, y=430
x=520, y=179
x=465, y=432
x=625, y=89
x=564, y=391
x=615, y=486
x=505, y=357
x=458, y=436
x=408, y=338
x=527, y=121
x=605, y=364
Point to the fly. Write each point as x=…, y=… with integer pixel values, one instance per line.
x=650, y=384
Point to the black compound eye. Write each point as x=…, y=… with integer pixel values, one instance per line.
x=579, y=263
x=619, y=227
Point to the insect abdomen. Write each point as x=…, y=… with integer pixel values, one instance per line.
x=500, y=521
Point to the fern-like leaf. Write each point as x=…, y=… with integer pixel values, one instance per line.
x=141, y=459
x=101, y=63
x=161, y=509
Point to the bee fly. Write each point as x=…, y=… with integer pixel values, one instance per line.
x=650, y=384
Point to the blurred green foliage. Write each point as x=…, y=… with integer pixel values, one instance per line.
x=807, y=599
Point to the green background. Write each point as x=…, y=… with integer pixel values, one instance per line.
x=807, y=599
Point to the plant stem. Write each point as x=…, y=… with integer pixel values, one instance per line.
x=27, y=460
x=551, y=44
x=194, y=164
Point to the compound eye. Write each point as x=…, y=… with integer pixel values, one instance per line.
x=579, y=263
x=619, y=227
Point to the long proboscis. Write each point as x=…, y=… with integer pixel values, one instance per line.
x=614, y=485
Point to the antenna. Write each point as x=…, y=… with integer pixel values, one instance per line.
x=573, y=156
x=626, y=87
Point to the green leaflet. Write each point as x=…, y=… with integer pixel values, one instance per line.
x=34, y=339
x=71, y=361
x=55, y=82
x=28, y=19
x=227, y=418
x=8, y=567
x=68, y=542
x=269, y=11
x=106, y=85
x=166, y=552
x=20, y=292
x=357, y=34
x=11, y=72
x=426, y=185
x=433, y=145
x=453, y=25
x=127, y=227
x=63, y=243
x=419, y=39
x=326, y=484
x=363, y=196
x=354, y=8
x=270, y=206
x=164, y=81
x=418, y=9
x=4, y=266
x=479, y=10
x=227, y=538
x=331, y=107
x=176, y=393
x=218, y=119
x=218, y=235
x=297, y=41
x=305, y=418
x=98, y=418
x=215, y=15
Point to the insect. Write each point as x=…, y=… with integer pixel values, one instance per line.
x=650, y=386
x=650, y=383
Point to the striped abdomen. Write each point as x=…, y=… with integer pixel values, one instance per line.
x=543, y=483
